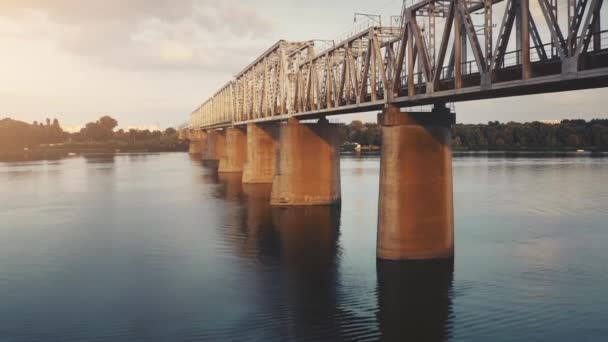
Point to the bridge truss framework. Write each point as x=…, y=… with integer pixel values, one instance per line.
x=423, y=60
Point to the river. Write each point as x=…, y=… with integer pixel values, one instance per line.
x=156, y=247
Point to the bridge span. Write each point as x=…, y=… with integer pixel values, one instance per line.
x=439, y=51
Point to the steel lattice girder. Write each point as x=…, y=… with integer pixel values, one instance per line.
x=380, y=65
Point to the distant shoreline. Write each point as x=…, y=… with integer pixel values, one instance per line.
x=58, y=154
x=377, y=150
x=473, y=152
x=63, y=151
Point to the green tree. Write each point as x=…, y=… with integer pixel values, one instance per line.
x=107, y=123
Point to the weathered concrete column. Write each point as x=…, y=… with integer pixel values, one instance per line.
x=202, y=136
x=415, y=209
x=216, y=147
x=235, y=154
x=262, y=149
x=308, y=169
x=195, y=142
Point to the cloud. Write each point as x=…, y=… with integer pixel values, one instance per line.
x=144, y=34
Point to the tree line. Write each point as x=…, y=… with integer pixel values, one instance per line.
x=566, y=135
x=17, y=135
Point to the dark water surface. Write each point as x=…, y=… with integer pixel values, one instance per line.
x=158, y=248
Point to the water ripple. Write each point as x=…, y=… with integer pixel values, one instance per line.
x=160, y=248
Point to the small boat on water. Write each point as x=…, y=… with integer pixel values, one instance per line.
x=580, y=151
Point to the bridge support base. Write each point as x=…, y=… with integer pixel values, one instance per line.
x=196, y=145
x=308, y=170
x=236, y=151
x=216, y=148
x=415, y=208
x=202, y=140
x=262, y=149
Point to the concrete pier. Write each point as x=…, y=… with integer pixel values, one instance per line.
x=233, y=160
x=195, y=146
x=216, y=147
x=202, y=135
x=262, y=149
x=415, y=208
x=308, y=169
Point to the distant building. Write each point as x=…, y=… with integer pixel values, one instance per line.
x=551, y=122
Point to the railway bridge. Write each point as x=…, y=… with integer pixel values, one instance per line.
x=270, y=121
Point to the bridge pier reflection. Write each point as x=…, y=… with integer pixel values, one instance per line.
x=296, y=251
x=308, y=252
x=259, y=230
x=415, y=299
x=297, y=262
x=232, y=187
x=294, y=277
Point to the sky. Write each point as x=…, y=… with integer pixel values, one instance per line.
x=151, y=62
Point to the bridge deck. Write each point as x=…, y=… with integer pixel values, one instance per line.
x=402, y=66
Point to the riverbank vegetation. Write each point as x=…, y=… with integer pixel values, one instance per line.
x=47, y=140
x=568, y=135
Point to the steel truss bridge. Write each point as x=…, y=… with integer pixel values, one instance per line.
x=440, y=51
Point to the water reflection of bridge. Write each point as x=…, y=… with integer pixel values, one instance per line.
x=294, y=253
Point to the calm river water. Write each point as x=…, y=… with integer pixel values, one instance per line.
x=155, y=247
